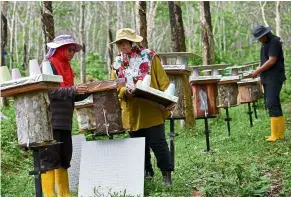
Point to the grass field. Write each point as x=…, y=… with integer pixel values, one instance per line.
x=244, y=164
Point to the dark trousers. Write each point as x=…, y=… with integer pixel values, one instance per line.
x=272, y=96
x=60, y=155
x=156, y=140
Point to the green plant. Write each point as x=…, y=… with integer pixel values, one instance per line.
x=96, y=67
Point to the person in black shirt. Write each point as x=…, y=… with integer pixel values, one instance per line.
x=272, y=74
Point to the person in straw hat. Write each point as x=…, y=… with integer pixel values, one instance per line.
x=272, y=74
x=55, y=160
x=142, y=117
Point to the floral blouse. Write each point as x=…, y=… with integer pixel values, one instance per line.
x=133, y=66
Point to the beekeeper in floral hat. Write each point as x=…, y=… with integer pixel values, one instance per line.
x=142, y=117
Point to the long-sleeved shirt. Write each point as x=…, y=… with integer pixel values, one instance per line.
x=139, y=113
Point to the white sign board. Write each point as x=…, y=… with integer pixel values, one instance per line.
x=74, y=170
x=111, y=167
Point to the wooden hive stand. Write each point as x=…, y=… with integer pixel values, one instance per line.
x=205, y=87
x=175, y=65
x=204, y=93
x=227, y=96
x=249, y=92
x=34, y=129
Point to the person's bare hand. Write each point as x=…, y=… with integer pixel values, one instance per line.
x=171, y=107
x=81, y=89
x=255, y=74
x=128, y=92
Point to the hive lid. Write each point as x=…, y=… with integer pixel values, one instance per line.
x=174, y=67
x=175, y=54
x=247, y=74
x=249, y=80
x=154, y=95
x=30, y=80
x=201, y=79
x=100, y=86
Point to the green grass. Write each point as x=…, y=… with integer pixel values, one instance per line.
x=244, y=164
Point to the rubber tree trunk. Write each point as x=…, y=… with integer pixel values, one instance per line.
x=206, y=31
x=143, y=22
x=174, y=28
x=47, y=20
x=180, y=26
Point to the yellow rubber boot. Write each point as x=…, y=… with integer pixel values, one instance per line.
x=282, y=128
x=62, y=182
x=275, y=129
x=48, y=183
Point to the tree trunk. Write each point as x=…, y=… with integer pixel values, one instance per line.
x=4, y=32
x=88, y=23
x=143, y=22
x=109, y=48
x=24, y=36
x=119, y=14
x=180, y=26
x=47, y=23
x=278, y=19
x=82, y=36
x=224, y=36
x=263, y=12
x=3, y=44
x=207, y=36
x=137, y=19
x=150, y=18
x=39, y=41
x=11, y=29
x=174, y=29
x=187, y=24
x=16, y=42
x=109, y=52
x=30, y=30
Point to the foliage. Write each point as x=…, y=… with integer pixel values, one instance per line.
x=244, y=165
x=96, y=67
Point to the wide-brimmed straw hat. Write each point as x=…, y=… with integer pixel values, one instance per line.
x=63, y=40
x=127, y=34
x=259, y=31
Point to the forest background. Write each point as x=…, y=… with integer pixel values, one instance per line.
x=231, y=22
